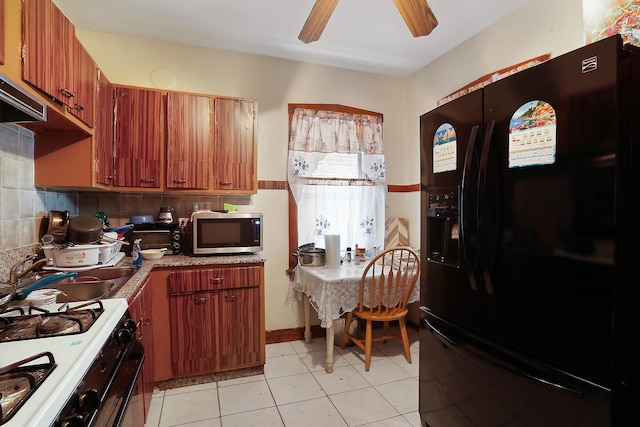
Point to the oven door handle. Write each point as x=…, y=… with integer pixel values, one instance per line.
x=130, y=389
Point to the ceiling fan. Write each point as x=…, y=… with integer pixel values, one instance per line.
x=416, y=13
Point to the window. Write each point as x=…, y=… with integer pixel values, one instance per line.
x=336, y=176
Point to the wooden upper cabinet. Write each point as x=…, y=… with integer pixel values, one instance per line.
x=138, y=137
x=2, y=29
x=83, y=78
x=234, y=153
x=46, y=40
x=55, y=62
x=104, y=132
x=188, y=141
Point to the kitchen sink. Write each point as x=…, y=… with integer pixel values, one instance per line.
x=93, y=284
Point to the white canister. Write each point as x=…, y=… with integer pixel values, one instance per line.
x=332, y=250
x=42, y=297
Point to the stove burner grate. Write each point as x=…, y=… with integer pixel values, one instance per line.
x=18, y=381
x=73, y=320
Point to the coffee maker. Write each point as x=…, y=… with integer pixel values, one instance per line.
x=167, y=216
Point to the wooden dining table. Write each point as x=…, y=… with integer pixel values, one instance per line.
x=331, y=292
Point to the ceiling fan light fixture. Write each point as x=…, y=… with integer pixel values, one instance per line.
x=418, y=16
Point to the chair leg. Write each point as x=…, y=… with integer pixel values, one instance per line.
x=345, y=334
x=367, y=346
x=386, y=330
x=405, y=339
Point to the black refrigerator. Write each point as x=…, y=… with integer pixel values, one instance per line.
x=530, y=248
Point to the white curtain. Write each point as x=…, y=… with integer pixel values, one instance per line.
x=338, y=193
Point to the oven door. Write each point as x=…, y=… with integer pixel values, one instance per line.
x=114, y=410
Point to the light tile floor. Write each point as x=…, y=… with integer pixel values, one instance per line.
x=295, y=391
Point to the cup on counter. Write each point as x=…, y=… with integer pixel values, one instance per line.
x=205, y=206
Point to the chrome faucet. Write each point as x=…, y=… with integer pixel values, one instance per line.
x=20, y=269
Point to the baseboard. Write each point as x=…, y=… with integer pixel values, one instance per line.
x=293, y=334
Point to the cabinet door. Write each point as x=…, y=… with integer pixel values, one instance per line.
x=2, y=35
x=46, y=36
x=234, y=166
x=188, y=140
x=192, y=333
x=239, y=333
x=104, y=132
x=82, y=82
x=140, y=309
x=54, y=60
x=192, y=311
x=138, y=137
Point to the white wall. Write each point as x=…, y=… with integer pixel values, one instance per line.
x=274, y=83
x=538, y=27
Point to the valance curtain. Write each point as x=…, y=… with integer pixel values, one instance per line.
x=336, y=173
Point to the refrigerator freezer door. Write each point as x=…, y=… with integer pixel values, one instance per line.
x=450, y=149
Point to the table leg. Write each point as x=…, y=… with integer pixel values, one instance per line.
x=330, y=342
x=307, y=319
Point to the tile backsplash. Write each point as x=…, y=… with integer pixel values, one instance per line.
x=24, y=207
x=120, y=206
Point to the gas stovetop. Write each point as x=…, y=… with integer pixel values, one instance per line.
x=16, y=324
x=55, y=363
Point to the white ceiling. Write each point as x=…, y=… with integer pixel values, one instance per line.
x=364, y=35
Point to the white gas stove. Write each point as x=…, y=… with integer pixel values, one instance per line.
x=79, y=379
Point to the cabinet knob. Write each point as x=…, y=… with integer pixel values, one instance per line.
x=78, y=107
x=216, y=279
x=225, y=183
x=201, y=299
x=147, y=181
x=179, y=181
x=231, y=297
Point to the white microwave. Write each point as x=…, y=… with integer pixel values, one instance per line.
x=226, y=233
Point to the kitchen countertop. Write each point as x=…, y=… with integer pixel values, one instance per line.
x=171, y=261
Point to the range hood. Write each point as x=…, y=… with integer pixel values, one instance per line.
x=16, y=105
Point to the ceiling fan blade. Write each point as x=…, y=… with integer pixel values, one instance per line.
x=418, y=16
x=317, y=20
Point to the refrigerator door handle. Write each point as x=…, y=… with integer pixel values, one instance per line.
x=465, y=206
x=497, y=362
x=482, y=194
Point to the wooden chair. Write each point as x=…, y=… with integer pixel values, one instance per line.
x=385, y=287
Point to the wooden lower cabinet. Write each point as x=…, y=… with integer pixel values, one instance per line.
x=239, y=334
x=193, y=347
x=213, y=319
x=141, y=310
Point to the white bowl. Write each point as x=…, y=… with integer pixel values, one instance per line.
x=153, y=253
x=42, y=297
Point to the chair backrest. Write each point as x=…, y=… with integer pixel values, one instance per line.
x=388, y=280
